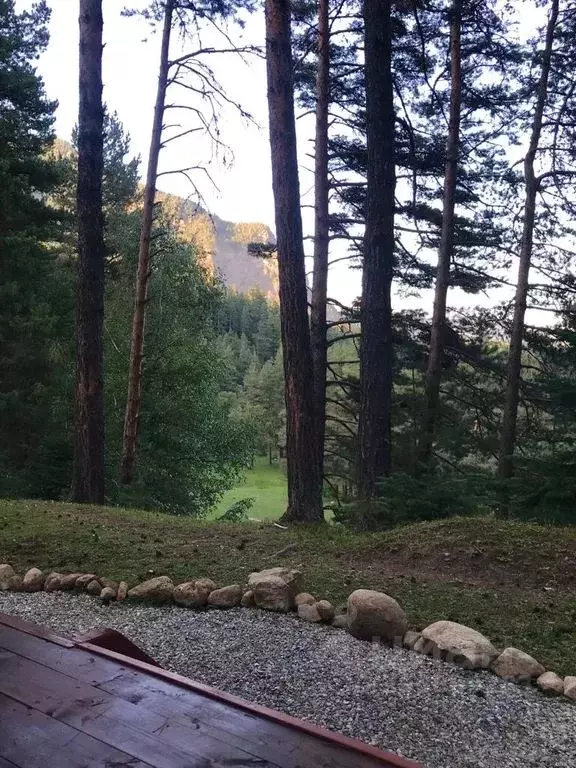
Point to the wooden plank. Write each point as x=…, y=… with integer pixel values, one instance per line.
x=15, y=622
x=30, y=739
x=114, y=721
x=7, y=763
x=249, y=732
x=88, y=669
x=71, y=661
x=381, y=758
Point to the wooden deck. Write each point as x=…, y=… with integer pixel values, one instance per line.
x=76, y=704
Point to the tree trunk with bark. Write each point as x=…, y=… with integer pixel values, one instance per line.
x=134, y=397
x=531, y=183
x=88, y=471
x=303, y=464
x=446, y=249
x=321, y=227
x=373, y=454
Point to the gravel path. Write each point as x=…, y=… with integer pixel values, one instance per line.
x=433, y=712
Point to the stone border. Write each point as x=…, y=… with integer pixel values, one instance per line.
x=368, y=615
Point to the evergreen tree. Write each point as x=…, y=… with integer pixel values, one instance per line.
x=88, y=474
x=303, y=448
x=34, y=287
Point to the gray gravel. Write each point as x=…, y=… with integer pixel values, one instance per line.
x=435, y=713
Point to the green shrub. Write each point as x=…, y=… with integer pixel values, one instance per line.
x=406, y=499
x=238, y=511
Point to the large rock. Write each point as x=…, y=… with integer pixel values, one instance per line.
x=109, y=583
x=53, y=581
x=570, y=687
x=309, y=613
x=15, y=583
x=83, y=581
x=340, y=621
x=375, y=616
x=516, y=665
x=94, y=588
x=69, y=581
x=410, y=639
x=455, y=642
x=275, y=588
x=325, y=609
x=7, y=575
x=193, y=594
x=207, y=585
x=304, y=598
x=107, y=595
x=122, y=592
x=158, y=589
x=550, y=682
x=226, y=597
x=33, y=580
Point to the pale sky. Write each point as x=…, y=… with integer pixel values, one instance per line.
x=245, y=185
x=130, y=74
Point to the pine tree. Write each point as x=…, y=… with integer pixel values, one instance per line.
x=34, y=289
x=374, y=419
x=303, y=459
x=88, y=472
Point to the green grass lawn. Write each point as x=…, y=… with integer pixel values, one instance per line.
x=516, y=582
x=266, y=484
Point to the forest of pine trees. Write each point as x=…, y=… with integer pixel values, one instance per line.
x=444, y=169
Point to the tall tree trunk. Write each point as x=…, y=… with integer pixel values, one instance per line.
x=446, y=249
x=373, y=454
x=134, y=398
x=88, y=472
x=531, y=182
x=304, y=471
x=321, y=228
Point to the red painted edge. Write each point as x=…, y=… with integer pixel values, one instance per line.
x=388, y=759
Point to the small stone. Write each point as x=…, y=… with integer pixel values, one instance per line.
x=94, y=588
x=248, y=599
x=340, y=621
x=158, y=589
x=550, y=682
x=304, y=598
x=570, y=687
x=457, y=643
x=109, y=583
x=52, y=582
x=69, y=582
x=325, y=609
x=33, y=580
x=309, y=613
x=122, y=591
x=226, y=597
x=107, y=595
x=410, y=639
x=83, y=581
x=513, y=664
x=375, y=616
x=6, y=574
